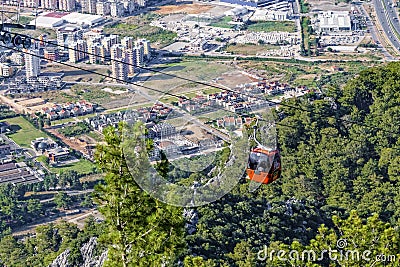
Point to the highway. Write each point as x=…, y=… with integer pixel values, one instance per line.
x=387, y=15
x=374, y=31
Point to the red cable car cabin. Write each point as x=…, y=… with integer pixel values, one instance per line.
x=264, y=166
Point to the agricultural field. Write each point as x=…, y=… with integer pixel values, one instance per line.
x=25, y=132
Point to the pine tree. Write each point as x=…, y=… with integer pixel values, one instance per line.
x=141, y=231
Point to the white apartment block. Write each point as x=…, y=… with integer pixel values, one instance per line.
x=89, y=6
x=117, y=9
x=128, y=42
x=117, y=51
x=96, y=53
x=129, y=6
x=103, y=8
x=67, y=5
x=146, y=47
x=49, y=4
x=141, y=3
x=17, y=58
x=31, y=3
x=66, y=35
x=139, y=55
x=119, y=69
x=130, y=56
x=32, y=63
x=108, y=42
x=77, y=51
x=6, y=70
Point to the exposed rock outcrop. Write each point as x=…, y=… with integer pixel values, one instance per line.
x=87, y=251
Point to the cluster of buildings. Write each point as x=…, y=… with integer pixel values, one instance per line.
x=18, y=173
x=252, y=3
x=97, y=48
x=284, y=50
x=247, y=97
x=58, y=111
x=230, y=122
x=23, y=85
x=49, y=148
x=147, y=115
x=114, y=8
x=268, y=38
x=175, y=144
x=10, y=171
x=333, y=21
x=54, y=20
x=271, y=11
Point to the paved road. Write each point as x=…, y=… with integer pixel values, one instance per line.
x=389, y=21
x=374, y=31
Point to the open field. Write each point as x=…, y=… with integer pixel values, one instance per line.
x=139, y=27
x=25, y=133
x=215, y=115
x=94, y=94
x=83, y=167
x=306, y=74
x=204, y=71
x=270, y=26
x=183, y=8
x=223, y=23
x=76, y=75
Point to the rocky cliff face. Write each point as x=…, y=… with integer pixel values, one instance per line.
x=87, y=254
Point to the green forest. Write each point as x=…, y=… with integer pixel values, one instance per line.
x=338, y=194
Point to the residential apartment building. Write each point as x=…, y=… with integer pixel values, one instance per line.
x=32, y=63
x=77, y=51
x=117, y=9
x=103, y=8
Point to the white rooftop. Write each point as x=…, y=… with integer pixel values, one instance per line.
x=330, y=19
x=47, y=22
x=79, y=18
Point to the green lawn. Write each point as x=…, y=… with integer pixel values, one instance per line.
x=168, y=99
x=211, y=90
x=83, y=167
x=25, y=131
x=270, y=26
x=223, y=23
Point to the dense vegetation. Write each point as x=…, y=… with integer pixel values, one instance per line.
x=50, y=240
x=76, y=129
x=332, y=166
x=6, y=112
